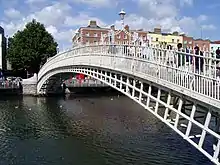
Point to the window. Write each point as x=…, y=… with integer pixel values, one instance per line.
x=87, y=34
x=172, y=40
x=119, y=36
x=125, y=36
x=87, y=41
x=178, y=40
x=95, y=35
x=190, y=42
x=156, y=39
x=95, y=41
x=185, y=42
x=144, y=37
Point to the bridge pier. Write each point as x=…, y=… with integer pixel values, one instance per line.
x=30, y=86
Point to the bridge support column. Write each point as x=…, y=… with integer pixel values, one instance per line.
x=134, y=85
x=127, y=85
x=148, y=97
x=141, y=91
x=30, y=86
x=216, y=145
x=115, y=80
x=158, y=98
x=121, y=80
x=167, y=109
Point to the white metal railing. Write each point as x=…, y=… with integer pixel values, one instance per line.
x=196, y=71
x=84, y=83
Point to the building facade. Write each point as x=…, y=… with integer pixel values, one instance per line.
x=214, y=45
x=94, y=33
x=3, y=46
x=157, y=38
x=204, y=45
x=188, y=42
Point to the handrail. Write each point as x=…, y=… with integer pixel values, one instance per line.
x=201, y=69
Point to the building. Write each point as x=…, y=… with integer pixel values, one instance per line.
x=157, y=38
x=2, y=49
x=188, y=42
x=94, y=33
x=214, y=45
x=204, y=45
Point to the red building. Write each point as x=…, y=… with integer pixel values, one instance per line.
x=188, y=42
x=202, y=44
x=94, y=33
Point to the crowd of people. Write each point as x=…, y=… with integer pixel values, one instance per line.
x=10, y=82
x=194, y=60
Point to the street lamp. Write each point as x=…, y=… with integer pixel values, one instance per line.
x=57, y=49
x=122, y=15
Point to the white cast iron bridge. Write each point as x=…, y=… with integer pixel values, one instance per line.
x=181, y=89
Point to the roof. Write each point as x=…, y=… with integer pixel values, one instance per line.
x=215, y=42
x=200, y=39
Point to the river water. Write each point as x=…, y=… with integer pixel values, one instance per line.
x=88, y=131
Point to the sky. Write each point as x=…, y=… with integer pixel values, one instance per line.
x=197, y=18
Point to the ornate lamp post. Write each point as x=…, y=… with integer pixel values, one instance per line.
x=58, y=49
x=122, y=14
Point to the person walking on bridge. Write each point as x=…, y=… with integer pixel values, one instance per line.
x=199, y=61
x=180, y=56
x=217, y=56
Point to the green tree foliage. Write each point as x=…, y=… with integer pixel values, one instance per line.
x=29, y=49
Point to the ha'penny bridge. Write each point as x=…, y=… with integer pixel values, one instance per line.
x=180, y=88
x=185, y=97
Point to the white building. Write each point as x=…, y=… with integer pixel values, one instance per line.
x=2, y=49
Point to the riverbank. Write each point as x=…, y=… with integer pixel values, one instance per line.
x=10, y=91
x=84, y=91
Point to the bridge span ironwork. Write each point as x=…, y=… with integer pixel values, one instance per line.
x=181, y=89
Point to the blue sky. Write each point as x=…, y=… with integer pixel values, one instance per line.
x=63, y=17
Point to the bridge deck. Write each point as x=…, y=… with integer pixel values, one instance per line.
x=191, y=74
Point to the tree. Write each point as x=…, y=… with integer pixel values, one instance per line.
x=29, y=49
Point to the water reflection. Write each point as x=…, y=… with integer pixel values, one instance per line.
x=87, y=130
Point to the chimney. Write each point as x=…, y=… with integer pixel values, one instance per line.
x=92, y=23
x=157, y=30
x=127, y=27
x=112, y=27
x=175, y=33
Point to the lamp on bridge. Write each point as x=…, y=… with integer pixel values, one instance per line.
x=58, y=49
x=122, y=15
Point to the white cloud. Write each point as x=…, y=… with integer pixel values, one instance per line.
x=52, y=30
x=53, y=14
x=12, y=13
x=60, y=21
x=186, y=2
x=96, y=3
x=202, y=18
x=208, y=27
x=166, y=14
x=158, y=8
x=82, y=20
x=34, y=1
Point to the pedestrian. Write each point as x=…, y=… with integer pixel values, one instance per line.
x=199, y=61
x=217, y=56
x=180, y=56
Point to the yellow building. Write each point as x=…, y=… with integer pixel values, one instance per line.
x=157, y=38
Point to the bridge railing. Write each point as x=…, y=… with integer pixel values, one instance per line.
x=193, y=70
x=84, y=83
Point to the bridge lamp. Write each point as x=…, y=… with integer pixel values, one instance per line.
x=58, y=49
x=122, y=15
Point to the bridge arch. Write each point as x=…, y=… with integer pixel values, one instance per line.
x=160, y=106
x=122, y=70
